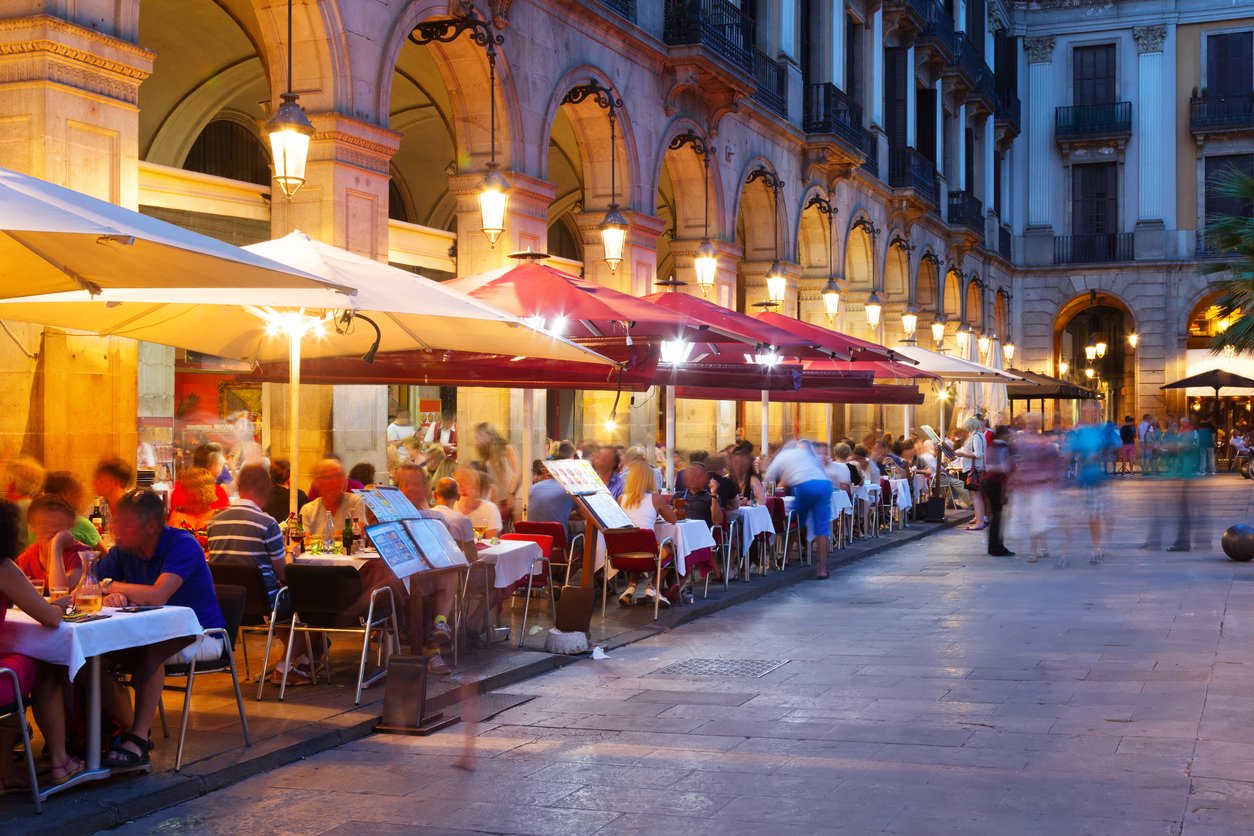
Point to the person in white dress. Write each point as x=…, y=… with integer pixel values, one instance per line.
x=643, y=506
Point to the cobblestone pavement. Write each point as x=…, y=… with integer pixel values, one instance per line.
x=927, y=690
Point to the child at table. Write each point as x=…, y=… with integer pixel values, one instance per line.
x=33, y=676
x=51, y=518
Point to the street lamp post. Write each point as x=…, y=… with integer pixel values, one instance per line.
x=614, y=226
x=290, y=130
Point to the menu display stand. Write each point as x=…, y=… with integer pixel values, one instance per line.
x=411, y=545
x=602, y=514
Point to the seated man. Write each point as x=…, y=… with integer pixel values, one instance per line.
x=441, y=587
x=153, y=564
x=324, y=517
x=699, y=502
x=245, y=534
x=548, y=501
x=458, y=524
x=483, y=514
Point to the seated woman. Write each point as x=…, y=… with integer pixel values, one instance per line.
x=50, y=518
x=643, y=505
x=197, y=498
x=748, y=483
x=484, y=515
x=41, y=680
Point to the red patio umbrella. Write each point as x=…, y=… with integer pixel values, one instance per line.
x=831, y=343
x=741, y=327
x=880, y=393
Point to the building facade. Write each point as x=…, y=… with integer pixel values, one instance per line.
x=949, y=199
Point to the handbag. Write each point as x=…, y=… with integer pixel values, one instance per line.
x=972, y=480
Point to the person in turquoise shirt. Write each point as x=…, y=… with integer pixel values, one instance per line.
x=65, y=485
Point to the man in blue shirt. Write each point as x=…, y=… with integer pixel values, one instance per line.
x=154, y=564
x=548, y=501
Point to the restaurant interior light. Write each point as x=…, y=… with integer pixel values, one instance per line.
x=873, y=308
x=613, y=236
x=1133, y=339
x=676, y=351
x=493, y=199
x=831, y=299
x=705, y=264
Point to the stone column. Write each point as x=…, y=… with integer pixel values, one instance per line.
x=526, y=221
x=1153, y=103
x=69, y=114
x=987, y=192
x=877, y=67
x=1038, y=237
x=943, y=191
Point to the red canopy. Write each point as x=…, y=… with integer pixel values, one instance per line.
x=831, y=343
x=738, y=326
x=877, y=394
x=819, y=371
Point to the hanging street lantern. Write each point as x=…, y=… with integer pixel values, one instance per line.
x=873, y=308
x=705, y=264
x=1008, y=352
x=938, y=331
x=910, y=322
x=831, y=299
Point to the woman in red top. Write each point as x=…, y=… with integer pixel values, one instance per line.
x=195, y=500
x=51, y=518
x=34, y=677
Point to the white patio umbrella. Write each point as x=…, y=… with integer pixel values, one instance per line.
x=969, y=398
x=996, y=399
x=53, y=239
x=275, y=324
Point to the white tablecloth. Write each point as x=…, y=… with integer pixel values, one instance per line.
x=921, y=484
x=755, y=520
x=863, y=492
x=72, y=645
x=332, y=560
x=841, y=503
x=901, y=493
x=687, y=536
x=512, y=559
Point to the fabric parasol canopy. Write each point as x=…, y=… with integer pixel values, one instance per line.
x=56, y=240
x=953, y=369
x=880, y=393
x=1212, y=379
x=834, y=343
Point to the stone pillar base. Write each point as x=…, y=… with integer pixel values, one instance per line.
x=1038, y=246
x=1149, y=240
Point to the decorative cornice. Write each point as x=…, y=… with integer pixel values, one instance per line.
x=343, y=139
x=47, y=25
x=1040, y=50
x=1149, y=39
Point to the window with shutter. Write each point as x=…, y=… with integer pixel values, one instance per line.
x=896, y=77
x=925, y=123
x=1230, y=64
x=1094, y=199
x=1093, y=74
x=1217, y=201
x=853, y=60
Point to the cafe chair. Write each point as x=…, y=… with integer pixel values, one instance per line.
x=544, y=576
x=636, y=550
x=16, y=713
x=259, y=616
x=231, y=602
x=786, y=526
x=327, y=599
x=561, y=548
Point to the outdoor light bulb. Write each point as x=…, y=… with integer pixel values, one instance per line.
x=613, y=236
x=910, y=321
x=873, y=308
x=610, y=425
x=942, y=395
x=983, y=342
x=766, y=356
x=776, y=284
x=1008, y=352
x=1133, y=339
x=558, y=326
x=675, y=351
x=536, y=322
x=831, y=299
x=963, y=337
x=706, y=265
x=1100, y=348
x=1088, y=372
x=493, y=198
x=938, y=331
x=290, y=131
x=1063, y=367
x=1090, y=352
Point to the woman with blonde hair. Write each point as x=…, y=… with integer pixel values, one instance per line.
x=502, y=464
x=196, y=500
x=636, y=453
x=643, y=504
x=972, y=455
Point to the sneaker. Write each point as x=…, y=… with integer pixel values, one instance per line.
x=441, y=633
x=628, y=598
x=650, y=594
x=436, y=665
x=1063, y=561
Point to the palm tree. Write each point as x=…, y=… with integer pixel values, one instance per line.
x=1232, y=236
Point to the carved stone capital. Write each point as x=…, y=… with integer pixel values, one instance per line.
x=1149, y=39
x=345, y=139
x=45, y=48
x=1040, y=50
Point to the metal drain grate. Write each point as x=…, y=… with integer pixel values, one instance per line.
x=755, y=668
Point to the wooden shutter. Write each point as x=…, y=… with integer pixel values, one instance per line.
x=1093, y=74
x=925, y=123
x=1095, y=202
x=853, y=76
x=975, y=24
x=896, y=77
x=1229, y=64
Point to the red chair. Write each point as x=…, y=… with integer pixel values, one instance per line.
x=785, y=525
x=562, y=548
x=544, y=576
x=636, y=550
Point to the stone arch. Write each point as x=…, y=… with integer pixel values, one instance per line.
x=321, y=61
x=859, y=256
x=1001, y=313
x=927, y=285
x=684, y=172
x=755, y=207
x=814, y=235
x=591, y=128
x=896, y=272
x=463, y=68
x=974, y=310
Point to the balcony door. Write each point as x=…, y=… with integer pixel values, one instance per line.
x=1094, y=211
x=1230, y=64
x=1219, y=202
x=1093, y=75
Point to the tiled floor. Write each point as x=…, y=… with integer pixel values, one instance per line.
x=928, y=690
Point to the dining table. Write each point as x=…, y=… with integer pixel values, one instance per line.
x=77, y=645
x=754, y=520
x=688, y=538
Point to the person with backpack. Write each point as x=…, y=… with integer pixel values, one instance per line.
x=1127, y=446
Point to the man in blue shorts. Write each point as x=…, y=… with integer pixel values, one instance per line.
x=798, y=467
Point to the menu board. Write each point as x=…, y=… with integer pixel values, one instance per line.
x=576, y=476
x=397, y=549
x=388, y=504
x=609, y=515
x=437, y=546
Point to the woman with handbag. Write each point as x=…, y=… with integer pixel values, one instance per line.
x=972, y=455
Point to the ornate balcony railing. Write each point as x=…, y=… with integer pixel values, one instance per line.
x=1093, y=247
x=772, y=83
x=1202, y=249
x=626, y=8
x=1010, y=110
x=965, y=209
x=1221, y=112
x=871, y=150
x=908, y=169
x=829, y=110
x=938, y=29
x=971, y=64
x=714, y=24
x=1078, y=121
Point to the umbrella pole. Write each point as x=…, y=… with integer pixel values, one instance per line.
x=829, y=427
x=670, y=437
x=528, y=405
x=293, y=418
x=766, y=407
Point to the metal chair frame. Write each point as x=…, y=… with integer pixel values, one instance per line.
x=17, y=710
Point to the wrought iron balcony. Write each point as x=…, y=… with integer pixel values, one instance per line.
x=772, y=83
x=938, y=28
x=1208, y=114
x=908, y=169
x=871, y=152
x=1005, y=241
x=1089, y=121
x=717, y=25
x=626, y=8
x=965, y=209
x=1094, y=247
x=975, y=72
x=1202, y=249
x=829, y=110
x=1010, y=111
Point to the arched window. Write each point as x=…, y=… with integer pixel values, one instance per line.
x=225, y=148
